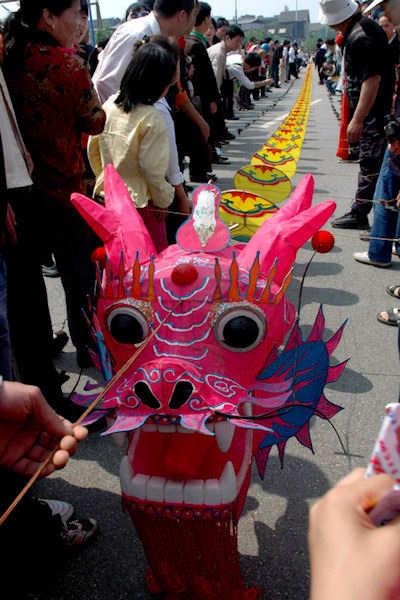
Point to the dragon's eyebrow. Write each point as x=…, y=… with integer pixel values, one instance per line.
x=174, y=296
x=187, y=312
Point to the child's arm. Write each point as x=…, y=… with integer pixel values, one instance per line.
x=154, y=158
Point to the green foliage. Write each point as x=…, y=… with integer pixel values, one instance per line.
x=103, y=33
x=259, y=34
x=325, y=33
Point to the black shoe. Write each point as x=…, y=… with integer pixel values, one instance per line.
x=228, y=136
x=60, y=340
x=220, y=160
x=351, y=220
x=83, y=358
x=232, y=118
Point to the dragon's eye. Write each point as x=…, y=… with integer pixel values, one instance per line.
x=127, y=325
x=240, y=328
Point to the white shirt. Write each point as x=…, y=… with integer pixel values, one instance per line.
x=174, y=175
x=116, y=56
x=217, y=54
x=234, y=66
x=17, y=175
x=292, y=55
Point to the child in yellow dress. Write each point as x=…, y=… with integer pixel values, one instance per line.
x=135, y=138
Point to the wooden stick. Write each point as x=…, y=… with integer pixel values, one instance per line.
x=87, y=412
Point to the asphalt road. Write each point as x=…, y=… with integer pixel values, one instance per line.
x=272, y=531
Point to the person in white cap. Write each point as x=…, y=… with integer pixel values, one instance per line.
x=369, y=86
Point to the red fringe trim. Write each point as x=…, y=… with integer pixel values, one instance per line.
x=191, y=557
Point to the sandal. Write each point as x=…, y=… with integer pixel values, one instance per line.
x=393, y=290
x=389, y=317
x=79, y=532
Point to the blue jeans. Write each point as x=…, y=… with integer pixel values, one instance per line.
x=5, y=346
x=386, y=222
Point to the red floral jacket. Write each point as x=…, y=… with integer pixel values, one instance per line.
x=55, y=104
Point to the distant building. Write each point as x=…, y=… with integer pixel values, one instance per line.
x=290, y=24
x=296, y=23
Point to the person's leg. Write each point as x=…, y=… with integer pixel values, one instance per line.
x=198, y=151
x=275, y=74
x=30, y=540
x=29, y=318
x=397, y=235
x=228, y=95
x=73, y=243
x=372, y=149
x=385, y=220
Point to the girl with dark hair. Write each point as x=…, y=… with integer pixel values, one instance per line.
x=55, y=104
x=135, y=138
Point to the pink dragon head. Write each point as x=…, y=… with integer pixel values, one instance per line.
x=193, y=336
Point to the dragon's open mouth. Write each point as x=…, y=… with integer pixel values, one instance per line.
x=165, y=473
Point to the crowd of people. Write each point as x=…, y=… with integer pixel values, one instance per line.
x=159, y=92
x=361, y=65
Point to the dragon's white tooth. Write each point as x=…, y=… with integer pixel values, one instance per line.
x=167, y=428
x=173, y=491
x=193, y=492
x=183, y=429
x=227, y=483
x=155, y=489
x=138, y=486
x=224, y=431
x=149, y=427
x=125, y=475
x=212, y=492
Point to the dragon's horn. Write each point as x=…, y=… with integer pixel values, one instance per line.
x=300, y=199
x=118, y=224
x=283, y=238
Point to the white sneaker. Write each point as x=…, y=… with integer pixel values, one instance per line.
x=64, y=510
x=362, y=257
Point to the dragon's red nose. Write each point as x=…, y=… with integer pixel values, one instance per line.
x=184, y=274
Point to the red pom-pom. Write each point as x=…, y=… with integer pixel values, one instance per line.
x=322, y=241
x=182, y=42
x=339, y=38
x=99, y=256
x=184, y=274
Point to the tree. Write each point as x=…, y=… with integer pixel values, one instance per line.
x=103, y=33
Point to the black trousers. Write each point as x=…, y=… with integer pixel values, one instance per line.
x=227, y=97
x=29, y=318
x=30, y=541
x=275, y=73
x=372, y=149
x=190, y=142
x=67, y=235
x=293, y=70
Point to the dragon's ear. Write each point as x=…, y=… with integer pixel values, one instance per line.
x=118, y=224
x=281, y=236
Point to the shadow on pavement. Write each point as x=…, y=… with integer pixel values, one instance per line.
x=281, y=565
